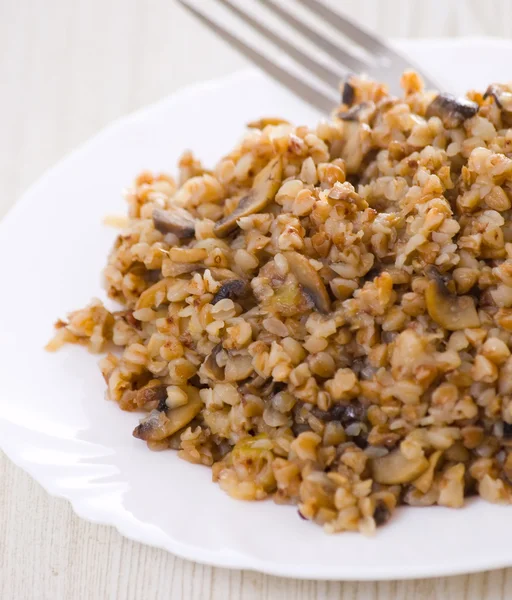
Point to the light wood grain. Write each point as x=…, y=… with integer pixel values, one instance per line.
x=67, y=68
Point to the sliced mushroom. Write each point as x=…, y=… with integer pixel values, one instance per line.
x=494, y=91
x=451, y=110
x=263, y=191
x=395, y=468
x=156, y=394
x=381, y=514
x=177, y=221
x=159, y=425
x=502, y=97
x=182, y=415
x=310, y=280
x=448, y=310
x=348, y=93
x=344, y=413
x=238, y=366
x=261, y=386
x=210, y=366
x=362, y=112
x=262, y=123
x=232, y=289
x=254, y=385
x=151, y=427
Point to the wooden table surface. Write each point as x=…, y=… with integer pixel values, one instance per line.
x=67, y=68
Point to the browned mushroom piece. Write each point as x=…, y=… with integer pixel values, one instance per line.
x=150, y=425
x=232, y=289
x=449, y=310
x=238, y=366
x=344, y=413
x=263, y=191
x=451, y=110
x=264, y=387
x=502, y=97
x=362, y=112
x=160, y=425
x=152, y=394
x=348, y=93
x=310, y=280
x=395, y=468
x=210, y=366
x=254, y=384
x=182, y=415
x=177, y=221
x=262, y=123
x=381, y=514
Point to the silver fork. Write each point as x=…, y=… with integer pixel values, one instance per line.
x=382, y=62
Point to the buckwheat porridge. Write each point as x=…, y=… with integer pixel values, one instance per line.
x=325, y=318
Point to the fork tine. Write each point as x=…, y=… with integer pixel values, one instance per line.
x=342, y=56
x=314, y=97
x=325, y=74
x=390, y=59
x=361, y=36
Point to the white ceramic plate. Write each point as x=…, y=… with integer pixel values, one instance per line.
x=54, y=421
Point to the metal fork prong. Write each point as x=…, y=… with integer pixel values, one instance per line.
x=327, y=75
x=392, y=63
x=356, y=33
x=312, y=96
x=334, y=51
